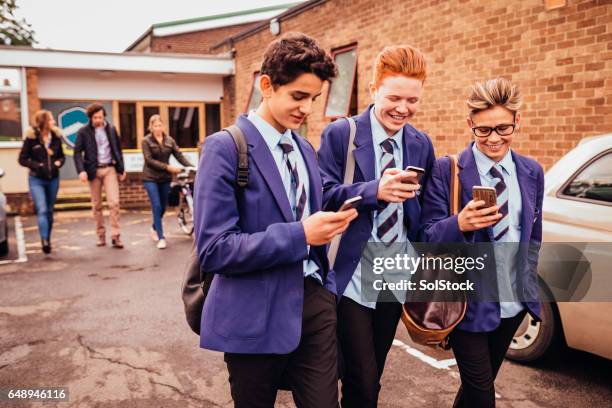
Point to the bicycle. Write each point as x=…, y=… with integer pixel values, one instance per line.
x=184, y=184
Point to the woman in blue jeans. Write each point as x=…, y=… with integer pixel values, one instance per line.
x=157, y=147
x=43, y=154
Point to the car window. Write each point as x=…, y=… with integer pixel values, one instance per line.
x=594, y=182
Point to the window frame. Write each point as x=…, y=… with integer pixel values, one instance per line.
x=559, y=194
x=23, y=107
x=336, y=51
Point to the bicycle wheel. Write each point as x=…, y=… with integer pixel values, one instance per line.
x=185, y=215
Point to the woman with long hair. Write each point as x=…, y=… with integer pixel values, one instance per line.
x=43, y=154
x=157, y=147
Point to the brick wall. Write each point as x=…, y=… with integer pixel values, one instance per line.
x=562, y=60
x=32, y=90
x=132, y=193
x=20, y=203
x=197, y=42
x=228, y=111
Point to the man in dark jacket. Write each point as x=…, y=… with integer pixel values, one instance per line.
x=99, y=161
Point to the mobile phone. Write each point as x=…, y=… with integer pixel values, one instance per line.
x=351, y=203
x=419, y=171
x=486, y=194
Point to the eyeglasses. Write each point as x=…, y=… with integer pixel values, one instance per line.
x=505, y=129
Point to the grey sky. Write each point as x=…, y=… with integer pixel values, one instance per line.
x=112, y=25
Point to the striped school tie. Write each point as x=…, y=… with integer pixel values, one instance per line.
x=501, y=227
x=298, y=200
x=387, y=218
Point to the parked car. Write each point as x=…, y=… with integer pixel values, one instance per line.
x=4, y=240
x=578, y=210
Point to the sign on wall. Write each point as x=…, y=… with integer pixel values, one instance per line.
x=134, y=161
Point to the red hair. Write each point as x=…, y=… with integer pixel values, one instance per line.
x=399, y=60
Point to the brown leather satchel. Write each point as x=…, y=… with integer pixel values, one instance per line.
x=429, y=323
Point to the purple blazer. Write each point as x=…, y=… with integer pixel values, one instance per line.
x=249, y=239
x=437, y=226
x=417, y=151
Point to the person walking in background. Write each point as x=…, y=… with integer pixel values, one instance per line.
x=43, y=154
x=99, y=161
x=157, y=147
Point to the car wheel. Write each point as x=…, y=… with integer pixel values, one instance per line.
x=534, y=340
x=4, y=246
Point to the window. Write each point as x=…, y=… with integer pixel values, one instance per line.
x=10, y=105
x=184, y=125
x=255, y=98
x=147, y=112
x=342, y=95
x=594, y=182
x=213, y=118
x=127, y=128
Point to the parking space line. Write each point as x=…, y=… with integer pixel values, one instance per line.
x=21, y=246
x=439, y=364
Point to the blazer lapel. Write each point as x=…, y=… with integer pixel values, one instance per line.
x=527, y=183
x=263, y=159
x=364, y=147
x=316, y=187
x=411, y=153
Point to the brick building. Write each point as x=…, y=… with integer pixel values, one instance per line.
x=185, y=88
x=559, y=52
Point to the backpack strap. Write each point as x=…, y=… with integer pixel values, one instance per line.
x=349, y=173
x=242, y=173
x=455, y=186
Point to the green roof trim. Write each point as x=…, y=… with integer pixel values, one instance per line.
x=226, y=15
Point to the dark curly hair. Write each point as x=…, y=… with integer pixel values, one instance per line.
x=295, y=54
x=95, y=108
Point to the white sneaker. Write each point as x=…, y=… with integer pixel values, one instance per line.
x=161, y=244
x=154, y=236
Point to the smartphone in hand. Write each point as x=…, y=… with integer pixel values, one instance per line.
x=486, y=194
x=418, y=170
x=351, y=203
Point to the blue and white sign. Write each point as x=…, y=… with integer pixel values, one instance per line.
x=70, y=121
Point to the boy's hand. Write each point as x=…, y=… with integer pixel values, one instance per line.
x=321, y=227
x=473, y=218
x=396, y=186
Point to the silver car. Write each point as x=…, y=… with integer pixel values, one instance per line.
x=577, y=210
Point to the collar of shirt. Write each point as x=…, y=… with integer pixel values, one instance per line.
x=267, y=131
x=379, y=134
x=484, y=163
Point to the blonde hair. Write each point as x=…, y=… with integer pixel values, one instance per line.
x=152, y=120
x=42, y=119
x=498, y=91
x=399, y=60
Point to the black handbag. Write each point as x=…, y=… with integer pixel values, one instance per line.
x=196, y=282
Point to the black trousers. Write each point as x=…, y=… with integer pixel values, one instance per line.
x=365, y=337
x=310, y=371
x=479, y=357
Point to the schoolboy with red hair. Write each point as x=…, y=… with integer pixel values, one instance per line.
x=385, y=144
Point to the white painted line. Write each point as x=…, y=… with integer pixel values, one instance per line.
x=20, y=240
x=21, y=246
x=439, y=364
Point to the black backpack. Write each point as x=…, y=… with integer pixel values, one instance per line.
x=196, y=283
